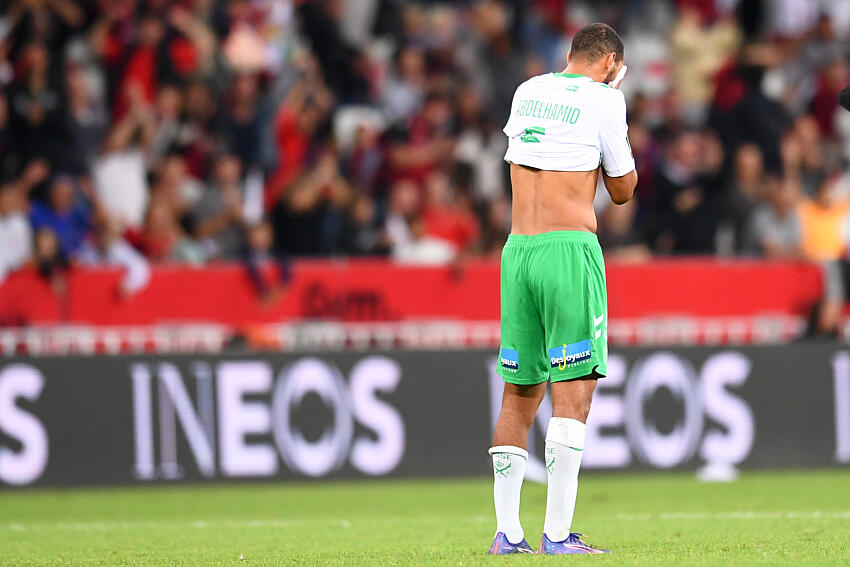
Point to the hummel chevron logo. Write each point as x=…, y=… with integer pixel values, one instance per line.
x=596, y=322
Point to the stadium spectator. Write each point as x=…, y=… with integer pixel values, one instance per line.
x=422, y=249
x=216, y=218
x=645, y=149
x=49, y=260
x=120, y=173
x=344, y=67
x=419, y=146
x=686, y=212
x=35, y=101
x=364, y=162
x=86, y=122
x=243, y=119
x=405, y=89
x=497, y=224
x=447, y=214
x=64, y=215
x=259, y=252
x=297, y=121
x=404, y=204
x=803, y=156
x=824, y=221
x=774, y=230
x=699, y=51
x=107, y=247
x=822, y=47
x=744, y=193
x=162, y=239
x=620, y=236
x=173, y=185
x=361, y=233
x=481, y=146
x=830, y=81
x=15, y=231
x=301, y=213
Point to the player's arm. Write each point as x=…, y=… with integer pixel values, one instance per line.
x=621, y=188
x=618, y=165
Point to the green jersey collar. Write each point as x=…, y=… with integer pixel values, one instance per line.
x=579, y=76
x=570, y=75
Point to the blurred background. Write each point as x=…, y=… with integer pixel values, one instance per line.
x=185, y=183
x=157, y=136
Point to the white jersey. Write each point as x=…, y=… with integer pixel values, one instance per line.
x=568, y=122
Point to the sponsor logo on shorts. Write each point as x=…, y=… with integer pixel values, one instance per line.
x=569, y=355
x=509, y=359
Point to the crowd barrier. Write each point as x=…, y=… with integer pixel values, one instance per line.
x=357, y=304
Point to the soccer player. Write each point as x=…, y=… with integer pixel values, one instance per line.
x=563, y=128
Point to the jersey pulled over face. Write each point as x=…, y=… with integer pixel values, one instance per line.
x=568, y=122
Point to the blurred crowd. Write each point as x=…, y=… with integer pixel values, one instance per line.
x=144, y=131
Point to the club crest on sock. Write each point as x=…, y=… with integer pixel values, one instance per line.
x=502, y=467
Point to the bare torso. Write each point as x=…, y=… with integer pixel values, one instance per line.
x=544, y=201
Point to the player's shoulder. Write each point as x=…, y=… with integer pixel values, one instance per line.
x=578, y=84
x=531, y=83
x=545, y=81
x=607, y=91
x=583, y=87
x=608, y=96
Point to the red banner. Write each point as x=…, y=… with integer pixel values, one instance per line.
x=375, y=290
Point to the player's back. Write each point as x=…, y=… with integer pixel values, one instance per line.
x=561, y=128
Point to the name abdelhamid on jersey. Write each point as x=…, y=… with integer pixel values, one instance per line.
x=548, y=111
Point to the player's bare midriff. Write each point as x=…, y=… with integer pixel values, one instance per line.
x=544, y=201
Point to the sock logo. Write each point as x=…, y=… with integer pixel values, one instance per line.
x=509, y=359
x=561, y=357
x=502, y=469
x=550, y=460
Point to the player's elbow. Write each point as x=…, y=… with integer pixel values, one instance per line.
x=621, y=197
x=622, y=188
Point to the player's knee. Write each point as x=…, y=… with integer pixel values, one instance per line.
x=575, y=408
x=519, y=415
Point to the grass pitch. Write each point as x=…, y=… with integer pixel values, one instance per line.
x=653, y=520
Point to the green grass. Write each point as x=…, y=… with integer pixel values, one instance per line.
x=653, y=520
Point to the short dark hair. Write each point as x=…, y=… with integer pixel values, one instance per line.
x=594, y=41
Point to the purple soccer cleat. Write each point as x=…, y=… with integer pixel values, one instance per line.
x=573, y=545
x=501, y=546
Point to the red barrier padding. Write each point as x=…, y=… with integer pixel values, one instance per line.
x=377, y=290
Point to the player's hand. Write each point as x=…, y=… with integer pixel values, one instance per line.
x=615, y=84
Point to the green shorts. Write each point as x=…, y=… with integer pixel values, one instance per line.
x=554, y=308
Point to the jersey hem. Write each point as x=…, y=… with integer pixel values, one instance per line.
x=547, y=167
x=618, y=173
x=599, y=370
x=517, y=379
